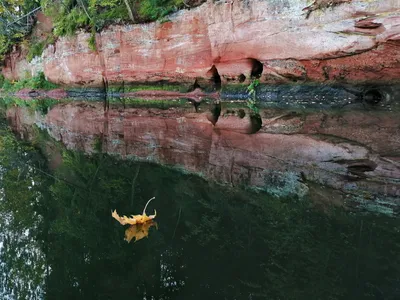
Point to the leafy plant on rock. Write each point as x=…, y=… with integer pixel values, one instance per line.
x=252, y=100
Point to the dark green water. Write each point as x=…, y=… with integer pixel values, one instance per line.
x=213, y=242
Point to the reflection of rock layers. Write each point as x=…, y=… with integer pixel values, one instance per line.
x=352, y=151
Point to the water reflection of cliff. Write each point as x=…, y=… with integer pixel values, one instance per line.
x=355, y=152
x=212, y=241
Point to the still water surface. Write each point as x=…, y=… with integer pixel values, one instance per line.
x=59, y=241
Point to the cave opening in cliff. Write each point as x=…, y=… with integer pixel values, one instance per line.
x=373, y=96
x=241, y=78
x=256, y=69
x=215, y=77
x=196, y=85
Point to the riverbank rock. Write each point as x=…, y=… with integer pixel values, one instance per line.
x=354, y=41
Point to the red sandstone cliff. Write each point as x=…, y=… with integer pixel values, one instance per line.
x=354, y=41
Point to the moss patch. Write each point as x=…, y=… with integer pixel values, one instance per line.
x=144, y=103
x=37, y=82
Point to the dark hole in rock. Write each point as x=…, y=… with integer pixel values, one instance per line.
x=361, y=165
x=195, y=103
x=241, y=78
x=33, y=94
x=195, y=85
x=367, y=24
x=256, y=122
x=215, y=78
x=373, y=96
x=215, y=109
x=257, y=68
x=241, y=113
x=292, y=77
x=356, y=168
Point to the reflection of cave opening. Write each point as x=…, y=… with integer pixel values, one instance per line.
x=241, y=78
x=215, y=109
x=256, y=122
x=214, y=77
x=194, y=86
x=373, y=96
x=256, y=69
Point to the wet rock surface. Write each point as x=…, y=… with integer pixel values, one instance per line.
x=294, y=96
x=320, y=96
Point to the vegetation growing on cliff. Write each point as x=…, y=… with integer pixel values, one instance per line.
x=38, y=105
x=36, y=82
x=36, y=46
x=322, y=4
x=17, y=17
x=70, y=15
x=15, y=22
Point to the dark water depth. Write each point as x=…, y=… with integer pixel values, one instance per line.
x=59, y=241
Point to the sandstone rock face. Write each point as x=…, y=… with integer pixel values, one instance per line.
x=16, y=66
x=352, y=41
x=341, y=151
x=176, y=51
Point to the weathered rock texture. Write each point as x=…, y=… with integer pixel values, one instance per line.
x=342, y=151
x=352, y=41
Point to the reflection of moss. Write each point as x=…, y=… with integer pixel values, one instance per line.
x=233, y=104
x=145, y=87
x=98, y=144
x=37, y=82
x=285, y=184
x=40, y=105
x=144, y=103
x=234, y=88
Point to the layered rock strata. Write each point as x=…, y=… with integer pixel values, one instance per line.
x=232, y=41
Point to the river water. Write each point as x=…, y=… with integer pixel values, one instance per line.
x=208, y=241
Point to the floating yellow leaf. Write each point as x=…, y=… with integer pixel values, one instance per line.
x=134, y=219
x=138, y=231
x=140, y=224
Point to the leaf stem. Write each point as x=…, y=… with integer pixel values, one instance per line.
x=144, y=210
